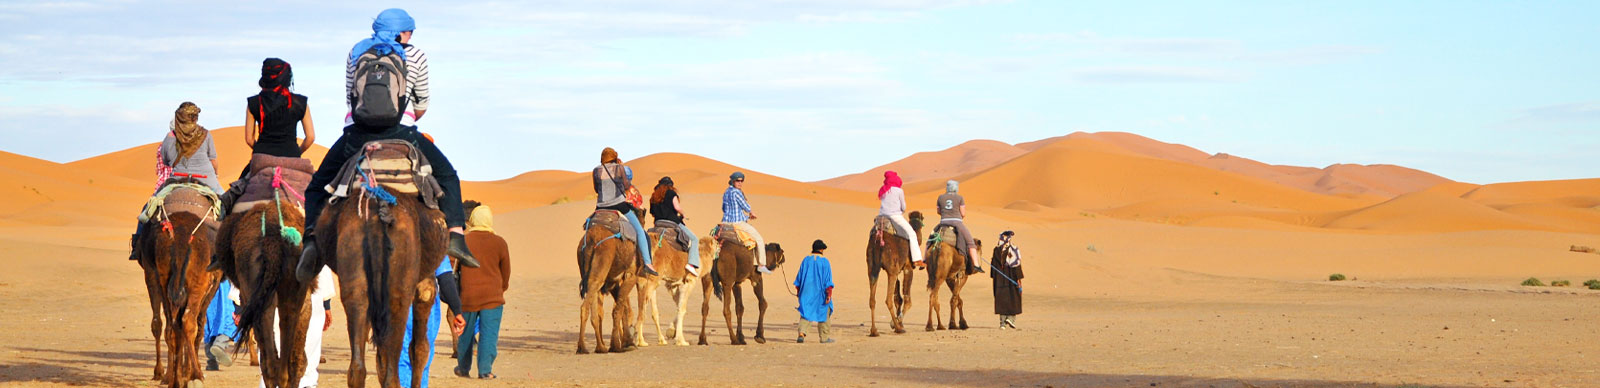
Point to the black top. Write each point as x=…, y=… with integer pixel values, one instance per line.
x=277, y=136
x=664, y=210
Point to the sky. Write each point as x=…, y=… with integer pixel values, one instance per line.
x=1474, y=91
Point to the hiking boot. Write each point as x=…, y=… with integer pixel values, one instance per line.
x=458, y=249
x=221, y=351
x=133, y=241
x=307, y=269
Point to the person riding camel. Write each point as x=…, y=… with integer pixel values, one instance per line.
x=386, y=28
x=736, y=213
x=611, y=184
x=952, y=209
x=665, y=206
x=892, y=204
x=186, y=152
x=269, y=123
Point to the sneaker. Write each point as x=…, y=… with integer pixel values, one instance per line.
x=827, y=341
x=763, y=269
x=800, y=340
x=693, y=270
x=460, y=372
x=488, y=376
x=211, y=365
x=221, y=351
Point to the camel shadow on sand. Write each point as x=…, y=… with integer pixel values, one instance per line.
x=1020, y=378
x=76, y=367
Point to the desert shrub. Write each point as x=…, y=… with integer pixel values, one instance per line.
x=1560, y=283
x=561, y=200
x=1593, y=284
x=1336, y=277
x=1533, y=282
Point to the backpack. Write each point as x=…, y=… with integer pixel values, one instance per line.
x=379, y=96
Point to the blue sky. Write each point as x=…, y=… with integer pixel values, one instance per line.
x=1474, y=91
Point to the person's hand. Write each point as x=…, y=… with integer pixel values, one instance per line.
x=236, y=319
x=457, y=325
x=752, y=215
x=327, y=321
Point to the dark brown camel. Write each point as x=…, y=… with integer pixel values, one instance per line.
x=384, y=256
x=891, y=255
x=174, y=254
x=734, y=265
x=670, y=262
x=256, y=255
x=607, y=265
x=947, y=264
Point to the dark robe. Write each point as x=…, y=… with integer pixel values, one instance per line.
x=1007, y=295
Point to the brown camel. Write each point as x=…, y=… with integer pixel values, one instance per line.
x=384, y=255
x=892, y=255
x=948, y=264
x=736, y=264
x=259, y=258
x=670, y=262
x=174, y=254
x=607, y=265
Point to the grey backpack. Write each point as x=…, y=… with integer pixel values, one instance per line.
x=379, y=96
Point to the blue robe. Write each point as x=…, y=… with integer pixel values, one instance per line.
x=433, y=334
x=813, y=280
x=219, y=316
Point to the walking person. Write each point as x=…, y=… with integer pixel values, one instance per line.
x=1006, y=270
x=221, y=325
x=814, y=283
x=450, y=294
x=482, y=294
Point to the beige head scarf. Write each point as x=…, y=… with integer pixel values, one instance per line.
x=481, y=220
x=186, y=127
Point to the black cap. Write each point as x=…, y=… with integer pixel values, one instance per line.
x=818, y=246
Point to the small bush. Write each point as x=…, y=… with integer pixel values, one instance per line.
x=561, y=200
x=1533, y=282
x=1560, y=283
x=1336, y=277
x=1593, y=284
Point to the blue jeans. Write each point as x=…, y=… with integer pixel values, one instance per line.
x=694, y=245
x=642, y=241
x=405, y=351
x=485, y=325
x=219, y=316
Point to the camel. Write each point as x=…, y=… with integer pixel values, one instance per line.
x=948, y=264
x=384, y=255
x=174, y=254
x=892, y=255
x=607, y=265
x=735, y=264
x=259, y=257
x=670, y=262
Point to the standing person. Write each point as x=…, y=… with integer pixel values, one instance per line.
x=814, y=283
x=736, y=212
x=611, y=183
x=664, y=205
x=270, y=119
x=186, y=152
x=1006, y=270
x=417, y=88
x=450, y=294
x=952, y=209
x=386, y=28
x=221, y=326
x=892, y=203
x=483, y=292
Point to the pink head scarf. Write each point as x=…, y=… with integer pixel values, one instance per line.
x=890, y=179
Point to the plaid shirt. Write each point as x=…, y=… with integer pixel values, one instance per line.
x=734, y=207
x=163, y=171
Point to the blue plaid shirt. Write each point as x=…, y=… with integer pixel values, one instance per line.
x=734, y=207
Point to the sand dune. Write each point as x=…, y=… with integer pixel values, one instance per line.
x=139, y=162
x=964, y=158
x=1430, y=212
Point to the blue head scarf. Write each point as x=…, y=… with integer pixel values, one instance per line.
x=389, y=24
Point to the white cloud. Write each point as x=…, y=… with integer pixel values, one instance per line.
x=1153, y=74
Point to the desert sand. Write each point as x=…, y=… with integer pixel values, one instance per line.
x=1148, y=264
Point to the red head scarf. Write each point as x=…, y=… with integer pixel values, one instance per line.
x=890, y=179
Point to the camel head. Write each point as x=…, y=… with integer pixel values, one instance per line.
x=774, y=256
x=916, y=220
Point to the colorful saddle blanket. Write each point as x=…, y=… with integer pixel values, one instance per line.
x=275, y=177
x=393, y=165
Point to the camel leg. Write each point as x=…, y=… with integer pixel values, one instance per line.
x=155, y=316
x=191, y=330
x=270, y=362
x=655, y=316
x=727, y=312
x=872, y=304
x=905, y=298
x=619, y=318
x=596, y=308
x=295, y=343
x=355, y=313
x=583, y=322
x=738, y=311
x=761, y=315
x=705, y=307
x=957, y=304
x=174, y=351
x=420, y=347
x=933, y=308
x=681, y=297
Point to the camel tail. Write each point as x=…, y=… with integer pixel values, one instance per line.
x=376, y=235
x=257, y=302
x=716, y=281
x=176, y=290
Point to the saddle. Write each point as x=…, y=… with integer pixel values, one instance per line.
x=726, y=232
x=175, y=198
x=292, y=175
x=394, y=166
x=613, y=221
x=671, y=236
x=883, y=225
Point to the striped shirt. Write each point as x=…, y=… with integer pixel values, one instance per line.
x=734, y=207
x=416, y=80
